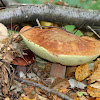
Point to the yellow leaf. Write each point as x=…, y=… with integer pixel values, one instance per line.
x=94, y=92
x=82, y=72
x=97, y=98
x=96, y=74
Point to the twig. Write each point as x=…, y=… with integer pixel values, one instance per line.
x=55, y=92
x=94, y=31
x=38, y=23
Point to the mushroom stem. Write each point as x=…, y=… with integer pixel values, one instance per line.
x=58, y=70
x=21, y=69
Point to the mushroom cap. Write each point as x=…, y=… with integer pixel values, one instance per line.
x=29, y=58
x=59, y=46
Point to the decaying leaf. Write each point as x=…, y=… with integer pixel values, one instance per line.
x=82, y=72
x=8, y=57
x=28, y=89
x=77, y=84
x=41, y=98
x=94, y=92
x=83, y=98
x=97, y=98
x=24, y=97
x=45, y=23
x=97, y=62
x=70, y=71
x=96, y=74
x=96, y=85
x=7, y=98
x=5, y=82
x=62, y=86
x=91, y=98
x=77, y=98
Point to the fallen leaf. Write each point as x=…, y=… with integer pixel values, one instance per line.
x=96, y=85
x=24, y=97
x=91, y=98
x=83, y=98
x=7, y=98
x=80, y=93
x=45, y=23
x=82, y=72
x=77, y=98
x=97, y=98
x=95, y=76
x=8, y=57
x=94, y=92
x=5, y=82
x=77, y=84
x=97, y=62
x=42, y=98
x=70, y=71
x=62, y=86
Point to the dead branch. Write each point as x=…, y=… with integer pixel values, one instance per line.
x=49, y=12
x=55, y=92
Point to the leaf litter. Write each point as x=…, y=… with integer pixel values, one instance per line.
x=79, y=79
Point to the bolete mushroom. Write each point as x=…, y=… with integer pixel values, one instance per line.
x=58, y=46
x=28, y=58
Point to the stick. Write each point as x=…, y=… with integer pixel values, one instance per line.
x=55, y=92
x=94, y=32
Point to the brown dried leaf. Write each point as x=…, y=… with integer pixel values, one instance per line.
x=83, y=98
x=4, y=79
x=97, y=98
x=96, y=64
x=70, y=71
x=24, y=97
x=47, y=67
x=96, y=85
x=8, y=57
x=62, y=86
x=96, y=75
x=94, y=92
x=28, y=89
x=91, y=98
x=77, y=98
x=7, y=98
x=82, y=72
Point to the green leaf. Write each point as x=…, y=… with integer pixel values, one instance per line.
x=79, y=33
x=69, y=28
x=79, y=94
